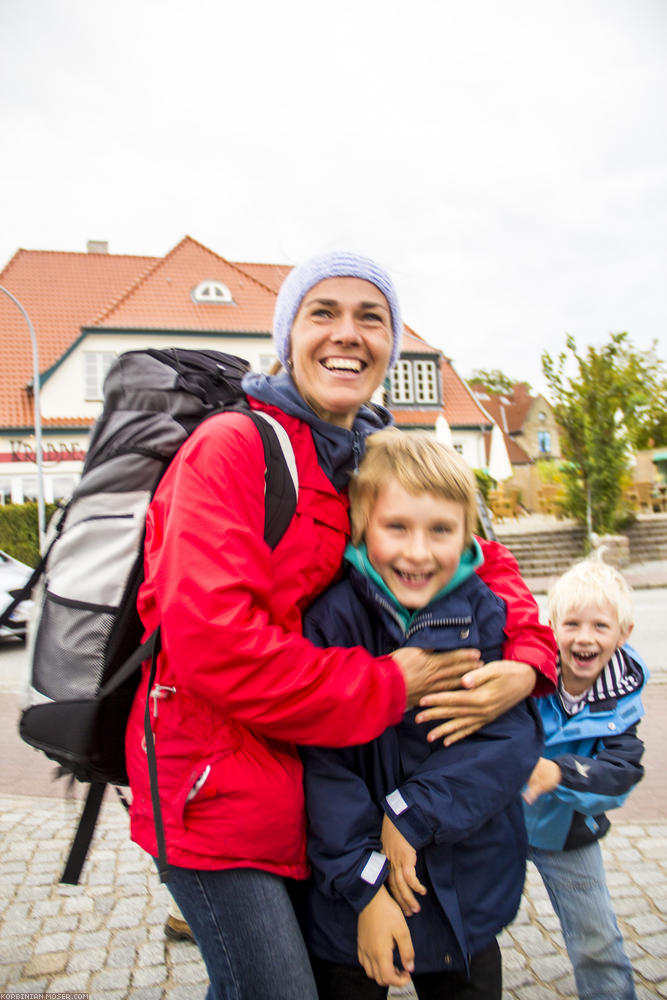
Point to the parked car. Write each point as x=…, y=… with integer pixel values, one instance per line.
x=13, y=575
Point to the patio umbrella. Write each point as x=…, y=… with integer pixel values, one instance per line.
x=499, y=467
x=442, y=430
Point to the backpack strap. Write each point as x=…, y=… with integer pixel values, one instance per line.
x=24, y=592
x=84, y=833
x=281, y=489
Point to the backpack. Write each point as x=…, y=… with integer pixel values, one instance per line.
x=85, y=644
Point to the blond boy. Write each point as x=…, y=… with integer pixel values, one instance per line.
x=591, y=762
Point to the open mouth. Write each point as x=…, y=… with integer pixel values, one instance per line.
x=584, y=657
x=413, y=579
x=354, y=365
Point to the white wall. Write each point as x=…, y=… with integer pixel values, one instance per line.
x=62, y=394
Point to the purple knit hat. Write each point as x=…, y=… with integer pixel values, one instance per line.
x=337, y=264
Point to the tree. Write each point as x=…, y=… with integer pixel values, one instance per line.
x=494, y=381
x=614, y=402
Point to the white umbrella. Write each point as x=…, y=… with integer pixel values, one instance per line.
x=442, y=430
x=500, y=467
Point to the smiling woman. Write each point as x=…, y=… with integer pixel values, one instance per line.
x=341, y=343
x=238, y=686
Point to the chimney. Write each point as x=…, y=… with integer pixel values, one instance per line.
x=97, y=246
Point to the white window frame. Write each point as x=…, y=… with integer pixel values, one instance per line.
x=414, y=381
x=96, y=364
x=402, y=386
x=212, y=292
x=425, y=380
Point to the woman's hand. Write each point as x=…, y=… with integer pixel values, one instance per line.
x=402, y=858
x=381, y=927
x=425, y=671
x=491, y=690
x=546, y=776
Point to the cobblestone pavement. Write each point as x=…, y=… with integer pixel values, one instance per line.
x=105, y=936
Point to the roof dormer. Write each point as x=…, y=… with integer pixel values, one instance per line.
x=212, y=291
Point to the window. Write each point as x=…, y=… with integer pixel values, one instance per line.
x=544, y=442
x=96, y=364
x=401, y=382
x=414, y=382
x=426, y=389
x=212, y=292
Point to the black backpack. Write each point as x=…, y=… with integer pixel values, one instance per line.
x=85, y=645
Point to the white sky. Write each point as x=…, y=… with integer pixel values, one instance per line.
x=507, y=162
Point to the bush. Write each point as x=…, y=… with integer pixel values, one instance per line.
x=19, y=531
x=484, y=483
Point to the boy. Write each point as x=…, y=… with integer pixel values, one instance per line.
x=418, y=851
x=592, y=760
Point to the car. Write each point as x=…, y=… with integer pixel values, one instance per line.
x=13, y=576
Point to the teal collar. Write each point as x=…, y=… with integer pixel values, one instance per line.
x=357, y=556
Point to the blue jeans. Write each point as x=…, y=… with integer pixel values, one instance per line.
x=577, y=887
x=246, y=929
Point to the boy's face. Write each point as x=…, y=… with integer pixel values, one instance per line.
x=587, y=637
x=414, y=542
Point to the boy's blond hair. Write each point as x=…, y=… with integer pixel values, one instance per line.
x=420, y=464
x=592, y=581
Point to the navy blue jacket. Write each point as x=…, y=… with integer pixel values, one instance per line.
x=459, y=806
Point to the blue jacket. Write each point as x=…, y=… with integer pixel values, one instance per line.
x=599, y=754
x=458, y=806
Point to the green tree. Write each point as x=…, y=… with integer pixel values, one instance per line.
x=608, y=406
x=494, y=381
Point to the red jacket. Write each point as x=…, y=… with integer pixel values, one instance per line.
x=238, y=684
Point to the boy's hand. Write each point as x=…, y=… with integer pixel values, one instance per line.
x=425, y=671
x=402, y=858
x=496, y=687
x=380, y=928
x=545, y=777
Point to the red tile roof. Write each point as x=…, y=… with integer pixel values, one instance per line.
x=509, y=410
x=60, y=292
x=414, y=344
x=162, y=300
x=65, y=292
x=460, y=407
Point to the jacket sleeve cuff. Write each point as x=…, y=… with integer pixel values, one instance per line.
x=372, y=876
x=408, y=818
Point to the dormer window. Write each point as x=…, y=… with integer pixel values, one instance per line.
x=212, y=291
x=414, y=382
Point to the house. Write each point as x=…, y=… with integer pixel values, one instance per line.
x=530, y=431
x=86, y=308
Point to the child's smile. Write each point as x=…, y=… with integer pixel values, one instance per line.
x=415, y=542
x=587, y=638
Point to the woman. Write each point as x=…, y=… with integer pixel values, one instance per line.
x=238, y=686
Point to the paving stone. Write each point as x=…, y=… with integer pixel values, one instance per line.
x=90, y=960
x=48, y=963
x=190, y=991
x=145, y=993
x=109, y=980
x=551, y=967
x=651, y=968
x=150, y=975
x=75, y=983
x=189, y=972
x=52, y=942
x=649, y=923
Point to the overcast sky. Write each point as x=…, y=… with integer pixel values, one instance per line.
x=507, y=162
